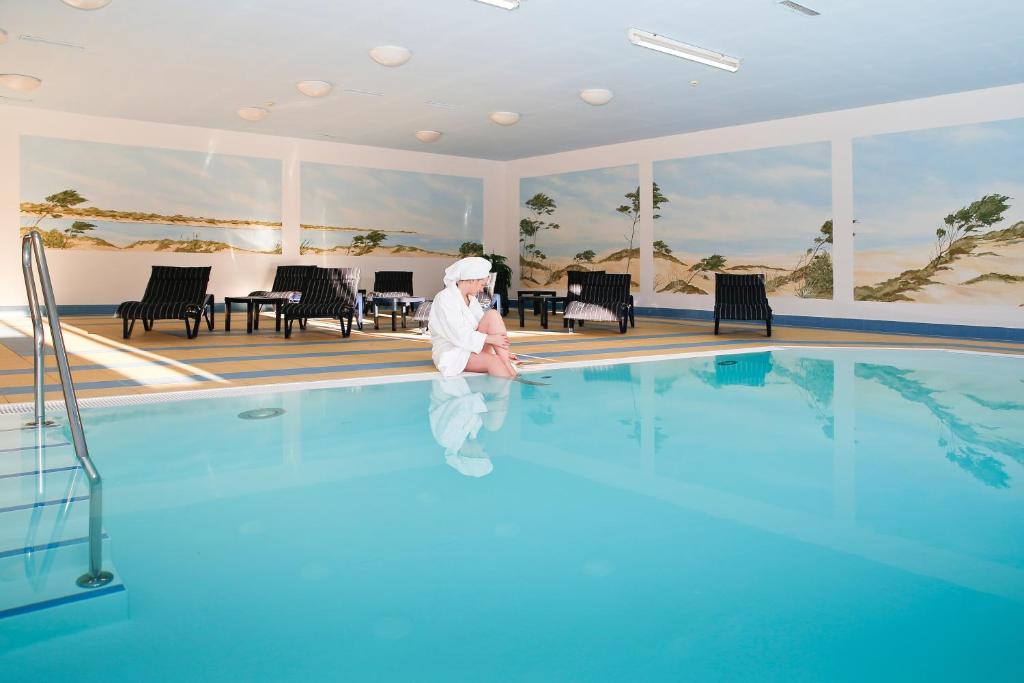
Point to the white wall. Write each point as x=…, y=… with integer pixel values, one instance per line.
x=837, y=127
x=96, y=277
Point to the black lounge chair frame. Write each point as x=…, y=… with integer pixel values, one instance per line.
x=172, y=293
x=603, y=297
x=329, y=293
x=742, y=297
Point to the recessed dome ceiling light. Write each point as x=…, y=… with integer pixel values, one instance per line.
x=86, y=4
x=428, y=135
x=694, y=84
x=313, y=88
x=252, y=113
x=390, y=55
x=505, y=118
x=19, y=82
x=596, y=96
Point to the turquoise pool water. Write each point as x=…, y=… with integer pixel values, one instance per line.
x=806, y=515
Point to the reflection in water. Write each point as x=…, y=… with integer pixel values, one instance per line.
x=815, y=378
x=964, y=442
x=457, y=413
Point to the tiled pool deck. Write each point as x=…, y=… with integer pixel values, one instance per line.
x=164, y=360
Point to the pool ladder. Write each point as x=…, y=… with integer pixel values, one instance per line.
x=32, y=249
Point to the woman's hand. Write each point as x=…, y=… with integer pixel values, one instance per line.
x=498, y=340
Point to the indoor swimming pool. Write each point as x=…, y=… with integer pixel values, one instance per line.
x=793, y=515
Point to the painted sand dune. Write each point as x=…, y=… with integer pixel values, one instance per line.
x=553, y=273
x=58, y=239
x=684, y=274
x=986, y=267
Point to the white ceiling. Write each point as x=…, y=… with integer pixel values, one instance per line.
x=196, y=62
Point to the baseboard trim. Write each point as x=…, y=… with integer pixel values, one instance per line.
x=978, y=332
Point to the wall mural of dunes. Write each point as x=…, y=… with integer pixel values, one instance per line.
x=93, y=196
x=365, y=211
x=585, y=220
x=940, y=215
x=760, y=211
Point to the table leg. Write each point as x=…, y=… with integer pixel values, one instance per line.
x=376, y=317
x=394, y=315
x=256, y=310
x=248, y=317
x=544, y=313
x=277, y=316
x=227, y=316
x=522, y=313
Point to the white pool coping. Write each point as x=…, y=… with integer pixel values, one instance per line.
x=312, y=385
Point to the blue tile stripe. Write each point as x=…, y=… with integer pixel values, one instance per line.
x=29, y=549
x=978, y=332
x=415, y=346
x=32, y=448
x=29, y=506
x=86, y=594
x=51, y=470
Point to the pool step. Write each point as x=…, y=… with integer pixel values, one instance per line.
x=39, y=598
x=44, y=544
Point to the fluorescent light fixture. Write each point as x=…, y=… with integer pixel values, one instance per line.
x=367, y=93
x=87, y=4
x=504, y=118
x=596, y=96
x=797, y=7
x=503, y=4
x=252, y=113
x=653, y=41
x=390, y=55
x=20, y=82
x=46, y=41
x=313, y=88
x=428, y=135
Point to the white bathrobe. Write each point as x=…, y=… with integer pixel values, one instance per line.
x=453, y=332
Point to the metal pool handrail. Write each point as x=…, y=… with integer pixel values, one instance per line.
x=32, y=243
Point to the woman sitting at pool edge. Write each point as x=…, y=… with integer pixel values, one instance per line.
x=464, y=337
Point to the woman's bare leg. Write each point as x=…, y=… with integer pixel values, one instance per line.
x=491, y=363
x=492, y=323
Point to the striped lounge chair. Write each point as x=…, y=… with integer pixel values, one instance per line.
x=289, y=283
x=329, y=293
x=604, y=298
x=577, y=278
x=389, y=284
x=741, y=297
x=172, y=293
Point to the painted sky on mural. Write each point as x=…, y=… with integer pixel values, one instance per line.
x=764, y=201
x=586, y=209
x=906, y=183
x=152, y=180
x=448, y=207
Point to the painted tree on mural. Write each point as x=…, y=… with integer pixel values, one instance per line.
x=983, y=213
x=364, y=244
x=471, y=249
x=530, y=229
x=79, y=228
x=715, y=262
x=586, y=256
x=661, y=247
x=632, y=210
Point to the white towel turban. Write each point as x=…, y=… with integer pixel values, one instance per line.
x=470, y=268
